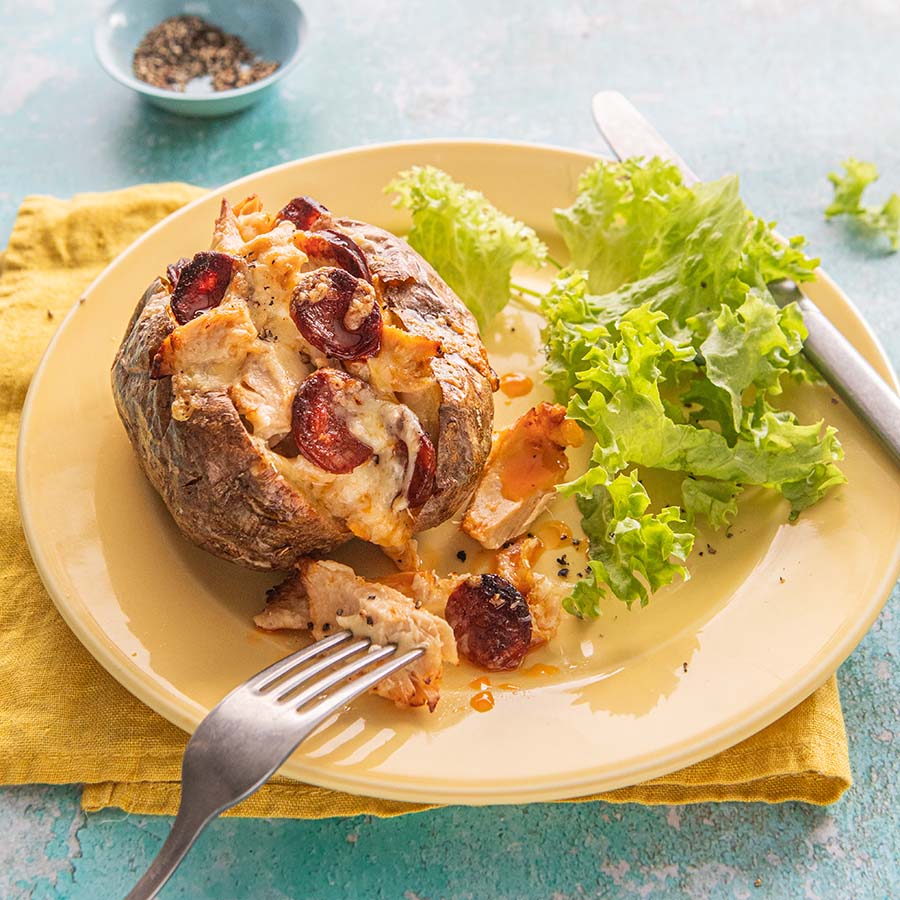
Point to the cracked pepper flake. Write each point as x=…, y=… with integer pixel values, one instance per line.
x=183, y=48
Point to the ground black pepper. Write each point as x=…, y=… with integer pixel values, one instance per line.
x=183, y=48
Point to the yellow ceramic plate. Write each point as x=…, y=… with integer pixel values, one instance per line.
x=763, y=622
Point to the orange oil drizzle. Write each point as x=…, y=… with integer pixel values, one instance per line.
x=515, y=384
x=480, y=684
x=530, y=467
x=554, y=533
x=482, y=702
x=540, y=669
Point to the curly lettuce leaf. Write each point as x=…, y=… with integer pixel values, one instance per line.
x=632, y=552
x=709, y=406
x=752, y=346
x=615, y=216
x=573, y=328
x=619, y=399
x=847, y=200
x=766, y=257
x=677, y=369
x=849, y=187
x=471, y=243
x=709, y=252
x=715, y=501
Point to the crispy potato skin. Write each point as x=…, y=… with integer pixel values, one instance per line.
x=425, y=305
x=221, y=491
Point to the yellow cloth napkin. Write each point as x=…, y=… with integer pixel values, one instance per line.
x=64, y=719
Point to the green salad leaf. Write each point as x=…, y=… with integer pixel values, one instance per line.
x=618, y=397
x=631, y=550
x=849, y=187
x=715, y=501
x=751, y=346
x=472, y=244
x=847, y=200
x=615, y=216
x=677, y=369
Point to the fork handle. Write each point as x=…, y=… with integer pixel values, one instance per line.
x=186, y=828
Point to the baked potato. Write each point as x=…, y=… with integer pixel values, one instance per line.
x=307, y=380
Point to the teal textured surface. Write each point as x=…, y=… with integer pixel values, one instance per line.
x=779, y=92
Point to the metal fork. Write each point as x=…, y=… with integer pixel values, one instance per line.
x=243, y=740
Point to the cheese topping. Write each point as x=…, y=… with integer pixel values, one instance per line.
x=372, y=498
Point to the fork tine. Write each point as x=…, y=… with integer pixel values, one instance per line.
x=325, y=662
x=338, y=675
x=348, y=692
x=276, y=670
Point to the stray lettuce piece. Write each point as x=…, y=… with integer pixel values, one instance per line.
x=847, y=200
x=885, y=219
x=632, y=552
x=472, y=244
x=752, y=345
x=849, y=187
x=615, y=216
x=715, y=501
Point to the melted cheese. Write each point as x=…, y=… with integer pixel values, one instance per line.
x=371, y=499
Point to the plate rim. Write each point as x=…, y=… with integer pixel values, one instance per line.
x=186, y=714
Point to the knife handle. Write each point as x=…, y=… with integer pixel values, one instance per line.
x=860, y=386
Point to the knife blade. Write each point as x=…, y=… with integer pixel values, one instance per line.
x=875, y=403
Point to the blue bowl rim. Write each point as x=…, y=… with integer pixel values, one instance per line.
x=143, y=87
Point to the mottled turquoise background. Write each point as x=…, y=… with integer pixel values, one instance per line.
x=779, y=91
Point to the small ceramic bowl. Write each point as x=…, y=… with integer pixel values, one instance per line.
x=272, y=29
